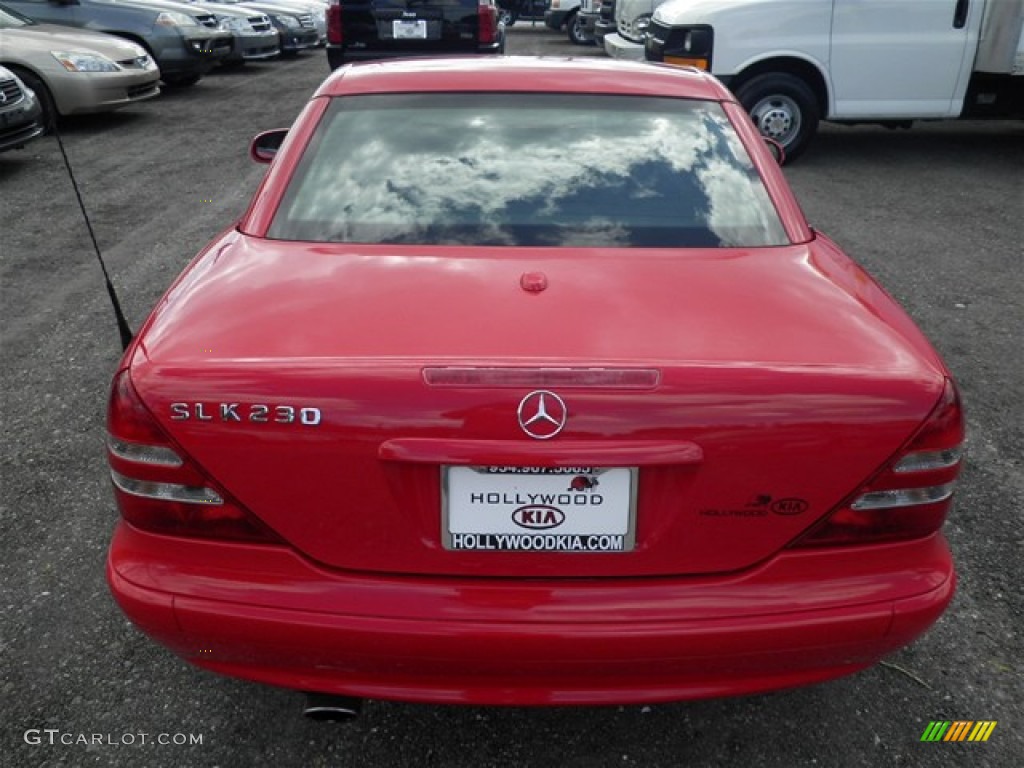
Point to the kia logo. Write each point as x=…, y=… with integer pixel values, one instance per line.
x=790, y=506
x=538, y=517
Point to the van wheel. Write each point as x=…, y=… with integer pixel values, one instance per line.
x=574, y=28
x=783, y=107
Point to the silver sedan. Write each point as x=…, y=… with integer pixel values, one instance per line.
x=73, y=71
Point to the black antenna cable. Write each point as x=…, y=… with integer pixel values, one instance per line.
x=122, y=325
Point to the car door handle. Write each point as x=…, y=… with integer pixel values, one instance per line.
x=960, y=14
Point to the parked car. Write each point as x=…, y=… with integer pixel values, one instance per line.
x=316, y=10
x=480, y=417
x=73, y=71
x=185, y=41
x=253, y=34
x=21, y=117
x=360, y=30
x=564, y=14
x=632, y=20
x=295, y=24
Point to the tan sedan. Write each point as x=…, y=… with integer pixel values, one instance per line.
x=74, y=71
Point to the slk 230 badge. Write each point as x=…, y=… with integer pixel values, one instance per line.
x=253, y=413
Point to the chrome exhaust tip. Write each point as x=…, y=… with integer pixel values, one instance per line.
x=329, y=708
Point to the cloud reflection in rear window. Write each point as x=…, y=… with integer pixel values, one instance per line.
x=527, y=170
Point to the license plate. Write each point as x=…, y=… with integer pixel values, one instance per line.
x=405, y=29
x=539, y=509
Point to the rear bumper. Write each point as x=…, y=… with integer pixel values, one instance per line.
x=338, y=55
x=268, y=615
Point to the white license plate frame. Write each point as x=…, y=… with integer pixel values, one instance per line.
x=538, y=509
x=409, y=29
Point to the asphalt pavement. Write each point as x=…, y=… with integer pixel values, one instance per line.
x=936, y=213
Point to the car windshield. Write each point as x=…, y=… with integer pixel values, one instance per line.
x=11, y=19
x=527, y=170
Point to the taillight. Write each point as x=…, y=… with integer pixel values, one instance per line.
x=911, y=496
x=487, y=16
x=335, y=33
x=158, y=488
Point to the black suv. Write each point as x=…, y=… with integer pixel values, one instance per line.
x=377, y=29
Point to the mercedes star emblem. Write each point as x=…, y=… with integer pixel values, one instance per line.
x=542, y=414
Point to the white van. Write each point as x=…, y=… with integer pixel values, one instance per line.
x=792, y=63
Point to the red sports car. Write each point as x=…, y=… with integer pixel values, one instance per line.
x=455, y=413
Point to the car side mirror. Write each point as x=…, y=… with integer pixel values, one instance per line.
x=776, y=149
x=264, y=147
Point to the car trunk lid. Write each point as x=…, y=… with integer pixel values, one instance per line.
x=327, y=388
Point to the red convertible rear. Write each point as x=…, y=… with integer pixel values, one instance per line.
x=451, y=416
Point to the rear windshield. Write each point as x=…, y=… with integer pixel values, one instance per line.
x=527, y=170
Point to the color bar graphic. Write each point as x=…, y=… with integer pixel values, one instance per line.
x=935, y=731
x=982, y=730
x=959, y=730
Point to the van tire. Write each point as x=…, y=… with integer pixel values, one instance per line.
x=783, y=107
x=574, y=30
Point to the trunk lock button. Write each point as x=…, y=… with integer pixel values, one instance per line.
x=533, y=282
